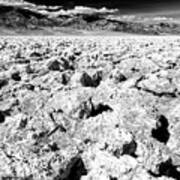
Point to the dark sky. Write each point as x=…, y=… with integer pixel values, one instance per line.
x=105, y=2
x=132, y=5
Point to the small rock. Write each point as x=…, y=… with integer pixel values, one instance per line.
x=23, y=123
x=67, y=64
x=117, y=76
x=130, y=149
x=35, y=54
x=30, y=87
x=29, y=69
x=65, y=78
x=7, y=105
x=76, y=104
x=82, y=79
x=53, y=65
x=161, y=132
x=85, y=80
x=96, y=78
x=74, y=170
x=28, y=104
x=3, y=82
x=167, y=169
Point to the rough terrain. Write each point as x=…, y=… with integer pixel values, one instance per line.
x=89, y=108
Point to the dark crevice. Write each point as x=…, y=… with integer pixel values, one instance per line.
x=59, y=127
x=158, y=94
x=22, y=61
x=161, y=132
x=2, y=117
x=130, y=149
x=54, y=147
x=113, y=178
x=139, y=80
x=167, y=169
x=89, y=109
x=74, y=170
x=87, y=141
x=99, y=109
x=105, y=147
x=16, y=76
x=161, y=94
x=30, y=177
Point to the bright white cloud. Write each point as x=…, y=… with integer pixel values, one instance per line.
x=84, y=10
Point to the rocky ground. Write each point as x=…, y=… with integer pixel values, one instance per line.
x=89, y=108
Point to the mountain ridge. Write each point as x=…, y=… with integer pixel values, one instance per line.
x=29, y=17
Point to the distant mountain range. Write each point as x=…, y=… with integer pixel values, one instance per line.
x=26, y=17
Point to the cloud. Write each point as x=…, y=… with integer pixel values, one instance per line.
x=88, y=10
x=83, y=10
x=162, y=18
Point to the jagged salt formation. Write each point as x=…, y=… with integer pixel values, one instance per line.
x=75, y=108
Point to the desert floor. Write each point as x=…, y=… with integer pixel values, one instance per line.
x=90, y=108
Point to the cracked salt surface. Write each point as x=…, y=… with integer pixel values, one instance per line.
x=74, y=108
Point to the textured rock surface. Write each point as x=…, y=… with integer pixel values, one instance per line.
x=76, y=108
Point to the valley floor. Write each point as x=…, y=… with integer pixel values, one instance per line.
x=89, y=107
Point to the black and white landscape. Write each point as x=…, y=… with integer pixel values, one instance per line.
x=89, y=91
x=27, y=18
